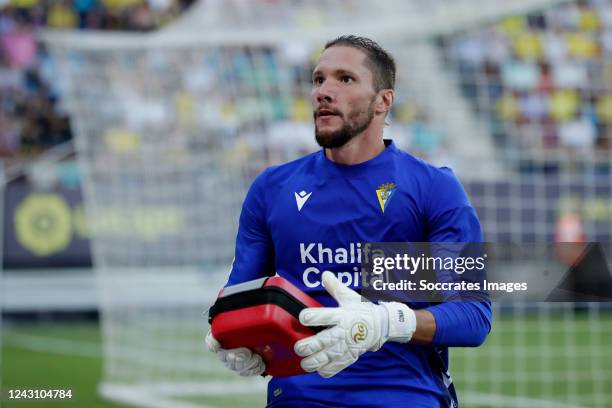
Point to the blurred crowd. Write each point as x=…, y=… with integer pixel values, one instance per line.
x=544, y=80
x=31, y=120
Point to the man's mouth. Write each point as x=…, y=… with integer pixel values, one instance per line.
x=325, y=113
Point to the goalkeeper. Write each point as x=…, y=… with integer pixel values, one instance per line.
x=300, y=218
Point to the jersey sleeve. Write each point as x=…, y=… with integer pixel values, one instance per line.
x=254, y=253
x=451, y=218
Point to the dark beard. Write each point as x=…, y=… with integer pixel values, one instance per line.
x=350, y=129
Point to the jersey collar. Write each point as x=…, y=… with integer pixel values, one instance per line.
x=380, y=160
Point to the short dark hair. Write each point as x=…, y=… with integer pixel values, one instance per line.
x=378, y=60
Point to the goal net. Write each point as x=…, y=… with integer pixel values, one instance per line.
x=172, y=127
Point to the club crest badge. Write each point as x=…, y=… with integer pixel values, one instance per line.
x=384, y=193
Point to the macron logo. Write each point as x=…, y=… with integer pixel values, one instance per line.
x=301, y=198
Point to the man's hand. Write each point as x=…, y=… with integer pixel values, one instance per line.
x=356, y=327
x=241, y=360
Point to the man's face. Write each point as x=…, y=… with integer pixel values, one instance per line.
x=342, y=96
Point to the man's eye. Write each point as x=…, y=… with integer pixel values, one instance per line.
x=346, y=79
x=317, y=81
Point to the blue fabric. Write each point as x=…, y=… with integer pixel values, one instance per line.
x=343, y=209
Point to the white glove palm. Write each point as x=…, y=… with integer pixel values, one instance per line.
x=241, y=360
x=356, y=327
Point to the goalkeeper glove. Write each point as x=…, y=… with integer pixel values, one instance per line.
x=356, y=327
x=241, y=360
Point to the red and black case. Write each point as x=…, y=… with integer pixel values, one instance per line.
x=263, y=315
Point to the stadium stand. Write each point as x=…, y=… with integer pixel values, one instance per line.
x=543, y=79
x=31, y=116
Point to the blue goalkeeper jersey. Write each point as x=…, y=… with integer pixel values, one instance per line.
x=311, y=215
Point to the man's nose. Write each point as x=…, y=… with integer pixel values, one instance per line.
x=324, y=94
x=324, y=98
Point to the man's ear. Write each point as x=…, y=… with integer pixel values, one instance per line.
x=385, y=100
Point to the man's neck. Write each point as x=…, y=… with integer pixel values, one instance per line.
x=358, y=150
